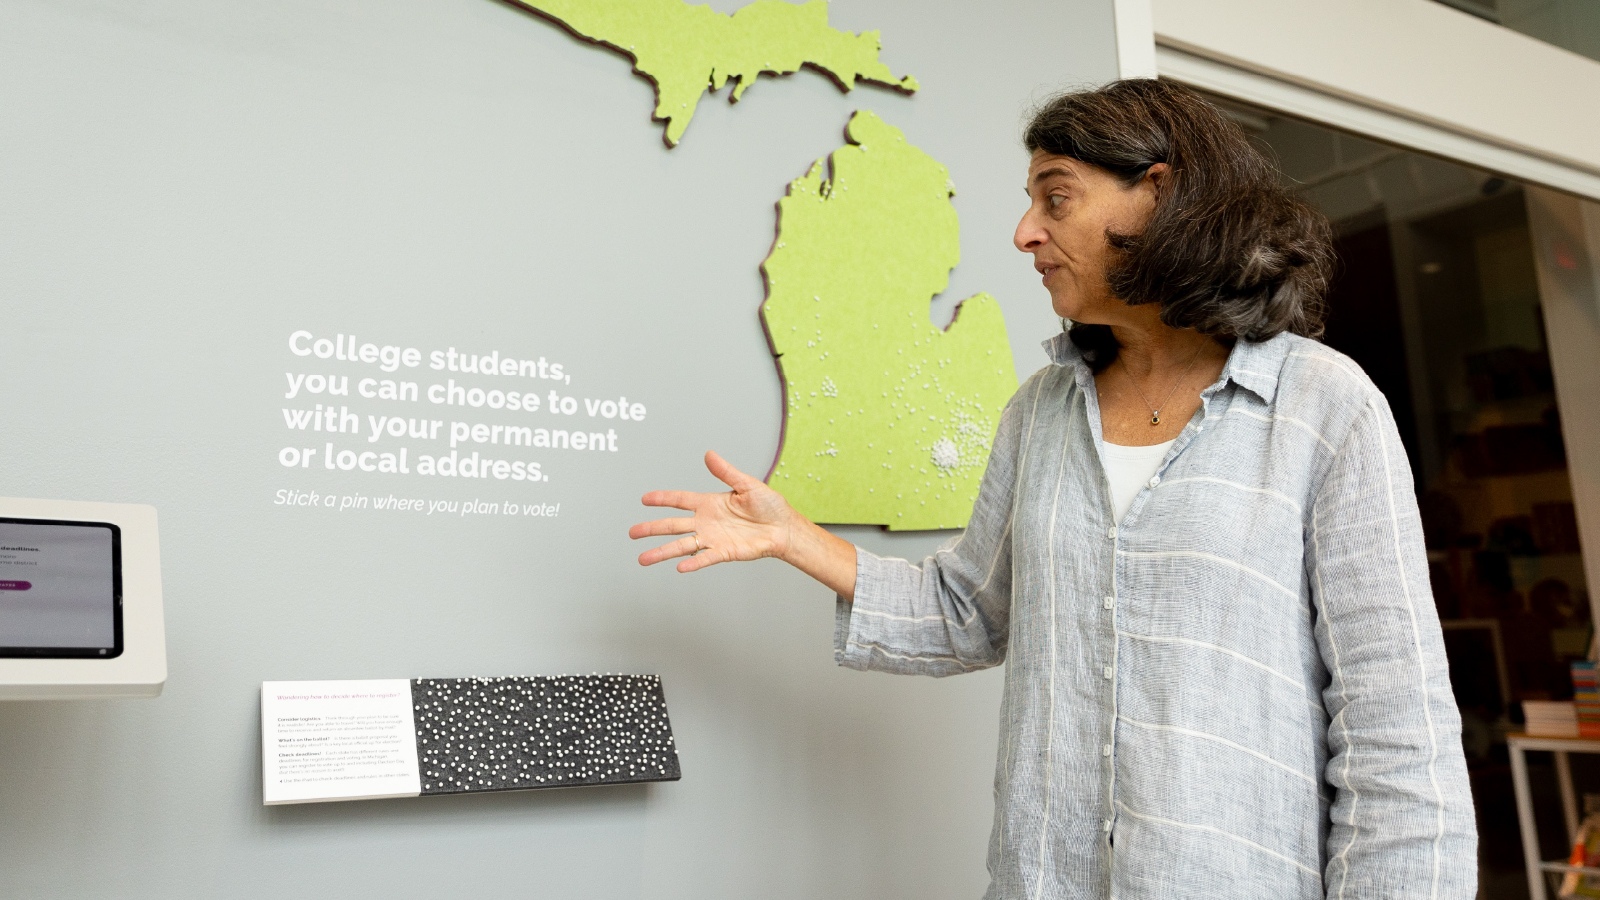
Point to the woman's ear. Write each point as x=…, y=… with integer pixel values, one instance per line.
x=1158, y=175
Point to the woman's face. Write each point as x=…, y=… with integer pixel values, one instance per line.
x=1071, y=205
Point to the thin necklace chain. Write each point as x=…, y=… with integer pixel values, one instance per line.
x=1155, y=411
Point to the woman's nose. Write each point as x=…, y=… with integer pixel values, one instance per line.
x=1029, y=236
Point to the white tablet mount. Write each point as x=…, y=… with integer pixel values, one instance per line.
x=141, y=669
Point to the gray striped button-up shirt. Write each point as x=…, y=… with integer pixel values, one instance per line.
x=1241, y=691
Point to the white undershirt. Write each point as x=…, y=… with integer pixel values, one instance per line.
x=1129, y=470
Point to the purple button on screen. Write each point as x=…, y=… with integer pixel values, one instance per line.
x=15, y=585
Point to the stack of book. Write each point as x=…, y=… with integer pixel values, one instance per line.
x=1551, y=718
x=1586, y=697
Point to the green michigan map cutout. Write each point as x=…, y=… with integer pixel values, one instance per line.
x=688, y=50
x=888, y=418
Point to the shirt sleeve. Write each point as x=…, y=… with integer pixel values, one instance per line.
x=951, y=613
x=1401, y=823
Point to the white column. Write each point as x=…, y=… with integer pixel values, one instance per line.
x=1136, y=39
x=1566, y=239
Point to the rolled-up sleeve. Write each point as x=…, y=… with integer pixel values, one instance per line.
x=1402, y=821
x=950, y=613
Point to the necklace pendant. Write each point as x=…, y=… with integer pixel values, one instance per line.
x=1155, y=418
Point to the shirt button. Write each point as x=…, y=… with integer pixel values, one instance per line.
x=1155, y=481
x=1106, y=750
x=1107, y=671
x=1110, y=602
x=1112, y=532
x=1106, y=825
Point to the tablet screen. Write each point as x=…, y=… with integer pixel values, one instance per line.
x=60, y=588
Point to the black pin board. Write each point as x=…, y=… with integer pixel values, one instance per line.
x=509, y=734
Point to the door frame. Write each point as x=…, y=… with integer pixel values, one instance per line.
x=1406, y=72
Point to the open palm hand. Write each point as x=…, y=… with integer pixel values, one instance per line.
x=750, y=521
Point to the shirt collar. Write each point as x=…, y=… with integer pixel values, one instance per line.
x=1062, y=351
x=1252, y=365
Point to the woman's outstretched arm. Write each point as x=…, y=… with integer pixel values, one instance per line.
x=750, y=521
x=950, y=613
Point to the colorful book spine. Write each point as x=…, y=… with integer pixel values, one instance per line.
x=1586, y=697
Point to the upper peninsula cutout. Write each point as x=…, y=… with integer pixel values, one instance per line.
x=887, y=417
x=688, y=50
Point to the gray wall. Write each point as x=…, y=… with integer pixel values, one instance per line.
x=185, y=182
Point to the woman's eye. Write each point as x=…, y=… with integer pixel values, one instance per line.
x=1055, y=201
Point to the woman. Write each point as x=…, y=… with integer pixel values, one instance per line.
x=1196, y=545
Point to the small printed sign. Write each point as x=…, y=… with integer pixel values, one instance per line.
x=337, y=740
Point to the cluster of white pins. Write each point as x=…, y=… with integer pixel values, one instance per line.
x=486, y=734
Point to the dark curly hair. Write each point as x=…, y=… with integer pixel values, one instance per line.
x=1228, y=250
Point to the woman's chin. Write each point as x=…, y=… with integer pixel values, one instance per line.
x=1067, y=309
x=1089, y=310
x=1077, y=305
